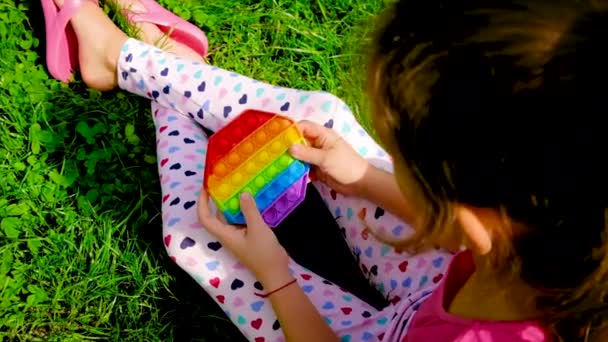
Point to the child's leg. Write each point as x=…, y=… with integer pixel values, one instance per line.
x=181, y=146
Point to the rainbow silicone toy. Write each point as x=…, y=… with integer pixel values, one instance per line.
x=250, y=155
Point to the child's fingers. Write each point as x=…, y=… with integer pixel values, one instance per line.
x=227, y=234
x=251, y=212
x=307, y=154
x=316, y=133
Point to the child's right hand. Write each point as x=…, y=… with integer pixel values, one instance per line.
x=336, y=163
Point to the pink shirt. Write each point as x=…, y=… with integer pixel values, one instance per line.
x=433, y=323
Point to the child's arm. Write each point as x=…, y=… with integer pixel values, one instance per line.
x=344, y=170
x=299, y=319
x=258, y=249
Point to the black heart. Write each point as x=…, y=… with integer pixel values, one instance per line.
x=276, y=325
x=155, y=94
x=176, y=166
x=124, y=75
x=174, y=133
x=132, y=69
x=258, y=286
x=201, y=87
x=366, y=314
x=175, y=201
x=189, y=204
x=129, y=57
x=189, y=141
x=191, y=115
x=227, y=111
x=236, y=284
x=327, y=282
x=343, y=231
x=166, y=89
x=243, y=99
x=164, y=72
x=189, y=173
x=329, y=124
x=186, y=243
x=285, y=107
x=379, y=213
x=214, y=246
x=200, y=113
x=187, y=93
x=374, y=270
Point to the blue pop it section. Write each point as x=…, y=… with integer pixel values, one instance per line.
x=267, y=195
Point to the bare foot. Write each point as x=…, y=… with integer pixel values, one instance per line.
x=152, y=35
x=99, y=44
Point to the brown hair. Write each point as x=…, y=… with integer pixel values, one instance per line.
x=499, y=105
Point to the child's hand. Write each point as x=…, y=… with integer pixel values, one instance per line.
x=337, y=163
x=255, y=246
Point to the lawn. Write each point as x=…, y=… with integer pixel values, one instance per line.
x=81, y=255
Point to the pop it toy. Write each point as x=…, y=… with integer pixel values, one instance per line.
x=250, y=155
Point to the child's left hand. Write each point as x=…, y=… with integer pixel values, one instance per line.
x=255, y=246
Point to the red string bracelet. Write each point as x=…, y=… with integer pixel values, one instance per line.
x=261, y=295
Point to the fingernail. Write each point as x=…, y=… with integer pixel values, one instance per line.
x=294, y=148
x=245, y=196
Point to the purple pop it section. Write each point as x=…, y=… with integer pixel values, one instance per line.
x=286, y=203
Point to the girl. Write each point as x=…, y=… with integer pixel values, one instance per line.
x=492, y=119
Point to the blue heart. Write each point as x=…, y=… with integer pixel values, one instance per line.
x=212, y=266
x=172, y=222
x=206, y=105
x=384, y=250
x=171, y=118
x=328, y=306
x=338, y=212
x=174, y=185
x=397, y=230
x=407, y=282
x=393, y=284
x=437, y=262
x=257, y=306
x=369, y=252
x=346, y=323
x=350, y=213
x=347, y=298
x=382, y=321
x=327, y=320
x=307, y=288
x=367, y=336
x=141, y=84
x=174, y=149
x=423, y=280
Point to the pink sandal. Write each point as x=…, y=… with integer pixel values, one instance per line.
x=61, y=43
x=179, y=29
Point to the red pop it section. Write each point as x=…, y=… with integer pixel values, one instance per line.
x=224, y=140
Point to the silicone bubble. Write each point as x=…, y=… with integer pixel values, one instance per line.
x=250, y=155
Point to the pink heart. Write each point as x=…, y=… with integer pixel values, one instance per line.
x=265, y=102
x=388, y=267
x=308, y=111
x=166, y=179
x=328, y=293
x=280, y=339
x=190, y=261
x=163, y=144
x=191, y=188
x=353, y=232
x=238, y=266
x=223, y=92
x=421, y=263
x=238, y=301
x=196, y=226
x=188, y=127
x=190, y=156
x=184, y=78
x=149, y=64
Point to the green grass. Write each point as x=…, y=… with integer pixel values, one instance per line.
x=80, y=249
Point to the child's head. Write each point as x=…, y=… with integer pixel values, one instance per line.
x=494, y=113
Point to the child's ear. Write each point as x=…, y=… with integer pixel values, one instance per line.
x=475, y=224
